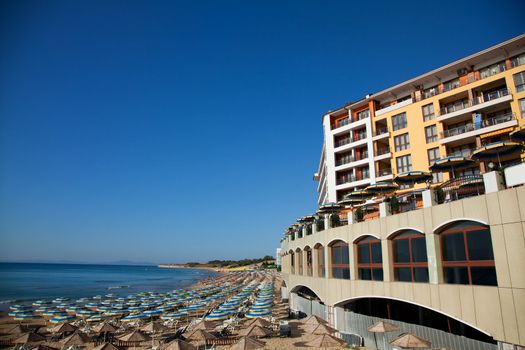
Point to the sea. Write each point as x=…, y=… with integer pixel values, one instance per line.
x=25, y=282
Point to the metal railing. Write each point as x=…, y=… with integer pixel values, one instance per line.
x=462, y=104
x=340, y=123
x=343, y=142
x=476, y=126
x=382, y=151
x=384, y=172
x=381, y=131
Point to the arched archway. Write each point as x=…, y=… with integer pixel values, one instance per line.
x=319, y=251
x=306, y=292
x=299, y=260
x=467, y=253
x=411, y=313
x=308, y=261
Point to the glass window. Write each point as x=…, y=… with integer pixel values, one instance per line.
x=431, y=91
x=519, y=81
x=431, y=133
x=428, y=112
x=369, y=259
x=433, y=155
x=410, y=257
x=451, y=84
x=399, y=121
x=522, y=107
x=468, y=257
x=492, y=69
x=404, y=164
x=340, y=260
x=320, y=261
x=363, y=114
x=402, y=142
x=518, y=60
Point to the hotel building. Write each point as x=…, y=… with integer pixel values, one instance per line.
x=452, y=273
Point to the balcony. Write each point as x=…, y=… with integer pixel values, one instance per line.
x=393, y=107
x=475, y=129
x=463, y=107
x=349, y=140
x=349, y=178
x=340, y=123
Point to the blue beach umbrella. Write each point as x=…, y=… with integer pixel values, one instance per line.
x=26, y=316
x=97, y=318
x=258, y=313
x=61, y=319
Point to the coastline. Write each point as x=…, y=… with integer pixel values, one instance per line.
x=201, y=267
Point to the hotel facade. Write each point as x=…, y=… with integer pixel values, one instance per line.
x=452, y=272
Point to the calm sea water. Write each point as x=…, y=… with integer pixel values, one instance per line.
x=26, y=282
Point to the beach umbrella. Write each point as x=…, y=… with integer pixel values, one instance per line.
x=63, y=328
x=412, y=177
x=255, y=331
x=135, y=336
x=31, y=337
x=43, y=347
x=382, y=327
x=382, y=188
x=359, y=194
x=314, y=319
x=21, y=317
x=177, y=344
x=247, y=343
x=329, y=208
x=451, y=163
x=321, y=329
x=204, y=324
x=62, y=318
x=154, y=327
x=261, y=322
x=106, y=346
x=18, y=329
x=105, y=328
x=97, y=318
x=410, y=341
x=325, y=341
x=497, y=150
x=200, y=335
x=258, y=313
x=75, y=339
x=518, y=134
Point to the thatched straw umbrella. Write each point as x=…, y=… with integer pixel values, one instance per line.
x=258, y=322
x=105, y=328
x=153, y=328
x=63, y=328
x=177, y=344
x=204, y=324
x=106, y=346
x=18, y=329
x=200, y=335
x=410, y=341
x=75, y=339
x=313, y=320
x=43, y=347
x=382, y=327
x=29, y=338
x=325, y=341
x=320, y=329
x=255, y=331
x=134, y=337
x=247, y=343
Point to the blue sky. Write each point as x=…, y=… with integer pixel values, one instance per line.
x=169, y=131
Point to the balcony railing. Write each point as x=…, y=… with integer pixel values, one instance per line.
x=476, y=126
x=348, y=140
x=384, y=172
x=381, y=131
x=486, y=97
x=382, y=151
x=340, y=123
x=344, y=160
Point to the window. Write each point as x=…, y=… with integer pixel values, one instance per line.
x=433, y=155
x=402, y=142
x=467, y=254
x=410, y=257
x=428, y=112
x=299, y=255
x=404, y=164
x=518, y=60
x=292, y=262
x=492, y=69
x=522, y=107
x=451, y=84
x=340, y=260
x=431, y=133
x=399, y=121
x=431, y=91
x=519, y=81
x=369, y=259
x=309, y=270
x=363, y=114
x=320, y=261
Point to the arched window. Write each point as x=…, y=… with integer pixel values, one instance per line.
x=292, y=262
x=340, y=260
x=309, y=262
x=369, y=259
x=320, y=261
x=299, y=257
x=468, y=258
x=410, y=257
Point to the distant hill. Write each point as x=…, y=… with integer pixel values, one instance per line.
x=267, y=261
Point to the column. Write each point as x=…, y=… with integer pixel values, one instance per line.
x=435, y=268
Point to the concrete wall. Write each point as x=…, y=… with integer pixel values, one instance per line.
x=498, y=311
